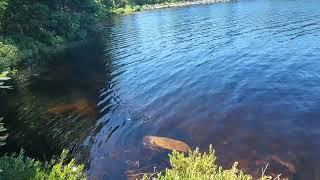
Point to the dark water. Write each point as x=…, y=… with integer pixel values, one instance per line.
x=54, y=106
x=242, y=76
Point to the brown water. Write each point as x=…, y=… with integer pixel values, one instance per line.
x=242, y=76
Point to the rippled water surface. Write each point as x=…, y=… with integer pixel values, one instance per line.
x=243, y=76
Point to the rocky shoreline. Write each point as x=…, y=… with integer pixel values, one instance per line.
x=183, y=3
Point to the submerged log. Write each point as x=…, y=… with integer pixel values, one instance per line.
x=157, y=143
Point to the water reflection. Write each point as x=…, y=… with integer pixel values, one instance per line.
x=54, y=106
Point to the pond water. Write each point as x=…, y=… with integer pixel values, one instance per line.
x=241, y=76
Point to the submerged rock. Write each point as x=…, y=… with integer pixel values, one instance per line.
x=157, y=143
x=276, y=160
x=82, y=107
x=288, y=165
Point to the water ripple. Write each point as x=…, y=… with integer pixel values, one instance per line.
x=232, y=75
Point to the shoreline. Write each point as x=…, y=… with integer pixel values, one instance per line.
x=183, y=4
x=130, y=9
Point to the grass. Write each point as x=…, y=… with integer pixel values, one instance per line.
x=200, y=166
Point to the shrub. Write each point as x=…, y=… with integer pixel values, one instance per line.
x=32, y=30
x=19, y=166
x=200, y=166
x=69, y=171
x=8, y=54
x=126, y=10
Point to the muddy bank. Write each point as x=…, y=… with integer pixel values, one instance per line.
x=183, y=3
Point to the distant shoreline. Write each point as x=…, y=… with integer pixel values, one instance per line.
x=182, y=4
x=132, y=9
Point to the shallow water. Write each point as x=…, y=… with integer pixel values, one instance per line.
x=241, y=76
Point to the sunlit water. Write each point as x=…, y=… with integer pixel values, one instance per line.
x=243, y=76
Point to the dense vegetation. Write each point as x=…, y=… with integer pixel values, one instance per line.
x=123, y=3
x=129, y=6
x=32, y=30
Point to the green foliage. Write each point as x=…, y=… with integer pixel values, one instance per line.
x=126, y=10
x=46, y=19
x=200, y=166
x=19, y=166
x=123, y=3
x=68, y=171
x=129, y=6
x=8, y=54
x=31, y=29
x=3, y=7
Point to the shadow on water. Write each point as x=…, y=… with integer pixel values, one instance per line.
x=54, y=106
